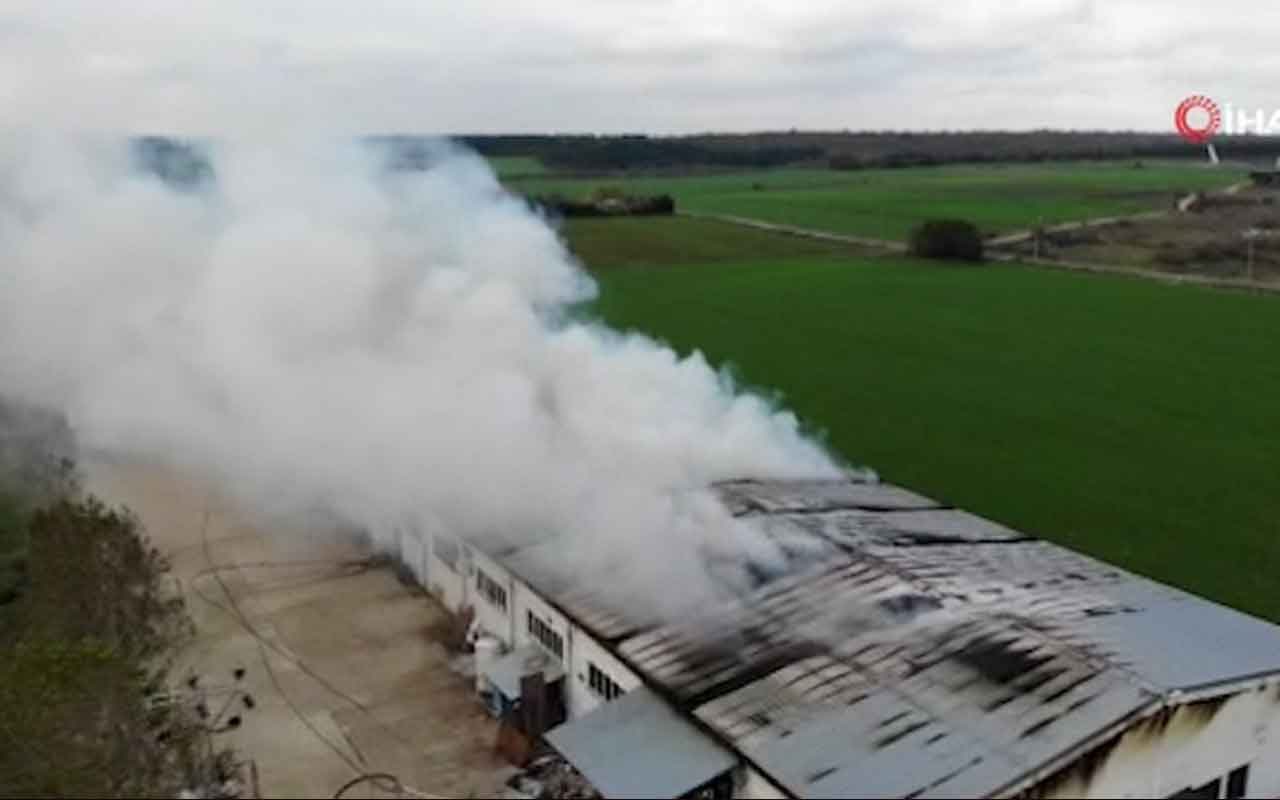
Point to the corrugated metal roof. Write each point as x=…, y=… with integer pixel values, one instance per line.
x=743, y=497
x=916, y=650
x=637, y=746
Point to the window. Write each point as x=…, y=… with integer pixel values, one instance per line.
x=491, y=590
x=601, y=683
x=1238, y=782
x=718, y=788
x=1208, y=791
x=1236, y=785
x=545, y=635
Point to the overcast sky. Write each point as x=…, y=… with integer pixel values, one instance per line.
x=244, y=66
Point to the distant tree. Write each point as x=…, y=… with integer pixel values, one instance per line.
x=952, y=239
x=655, y=205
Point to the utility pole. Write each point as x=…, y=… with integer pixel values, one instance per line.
x=1250, y=236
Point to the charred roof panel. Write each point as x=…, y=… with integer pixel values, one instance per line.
x=772, y=497
x=909, y=649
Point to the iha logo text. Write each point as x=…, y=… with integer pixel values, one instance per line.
x=1199, y=118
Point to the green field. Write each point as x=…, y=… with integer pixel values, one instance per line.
x=516, y=167
x=1135, y=421
x=887, y=203
x=656, y=241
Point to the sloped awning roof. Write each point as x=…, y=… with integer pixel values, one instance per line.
x=637, y=746
x=506, y=672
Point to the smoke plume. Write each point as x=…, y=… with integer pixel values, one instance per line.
x=395, y=349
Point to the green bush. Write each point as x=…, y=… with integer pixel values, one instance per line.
x=954, y=239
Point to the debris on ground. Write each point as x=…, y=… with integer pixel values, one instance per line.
x=549, y=777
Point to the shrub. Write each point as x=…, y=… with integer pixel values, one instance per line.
x=954, y=239
x=657, y=204
x=557, y=206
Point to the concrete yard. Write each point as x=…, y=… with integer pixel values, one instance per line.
x=355, y=683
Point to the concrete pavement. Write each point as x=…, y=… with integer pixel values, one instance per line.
x=338, y=656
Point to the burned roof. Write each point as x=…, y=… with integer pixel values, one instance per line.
x=919, y=650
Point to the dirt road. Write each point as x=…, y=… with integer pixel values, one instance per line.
x=793, y=230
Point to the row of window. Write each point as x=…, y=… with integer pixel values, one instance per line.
x=545, y=635
x=1235, y=786
x=491, y=590
x=601, y=683
x=597, y=679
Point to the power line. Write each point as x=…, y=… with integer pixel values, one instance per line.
x=357, y=567
x=235, y=611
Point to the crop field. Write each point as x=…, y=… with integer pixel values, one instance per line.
x=516, y=167
x=887, y=203
x=655, y=241
x=1213, y=241
x=1131, y=420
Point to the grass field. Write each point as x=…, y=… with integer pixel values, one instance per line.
x=656, y=241
x=515, y=167
x=888, y=203
x=1132, y=420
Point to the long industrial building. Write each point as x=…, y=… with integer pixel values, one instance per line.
x=910, y=650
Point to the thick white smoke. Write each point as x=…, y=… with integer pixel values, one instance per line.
x=389, y=348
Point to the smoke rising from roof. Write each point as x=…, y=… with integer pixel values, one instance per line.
x=393, y=349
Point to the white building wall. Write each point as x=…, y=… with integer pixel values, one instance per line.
x=448, y=582
x=413, y=555
x=580, y=647
x=456, y=588
x=527, y=600
x=1188, y=747
x=490, y=618
x=586, y=650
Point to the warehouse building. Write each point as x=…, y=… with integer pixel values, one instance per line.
x=908, y=650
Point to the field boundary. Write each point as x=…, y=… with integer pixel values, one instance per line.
x=1207, y=281
x=795, y=230
x=1018, y=237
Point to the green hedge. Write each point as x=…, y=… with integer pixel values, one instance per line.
x=953, y=239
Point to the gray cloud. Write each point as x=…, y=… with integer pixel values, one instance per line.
x=204, y=66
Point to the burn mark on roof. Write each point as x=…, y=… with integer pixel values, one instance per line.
x=820, y=774
x=885, y=741
x=1081, y=703
x=886, y=722
x=1064, y=690
x=1041, y=678
x=924, y=539
x=998, y=660
x=753, y=670
x=919, y=625
x=975, y=761
x=909, y=604
x=1039, y=726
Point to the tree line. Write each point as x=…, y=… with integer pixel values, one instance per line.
x=89, y=632
x=186, y=163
